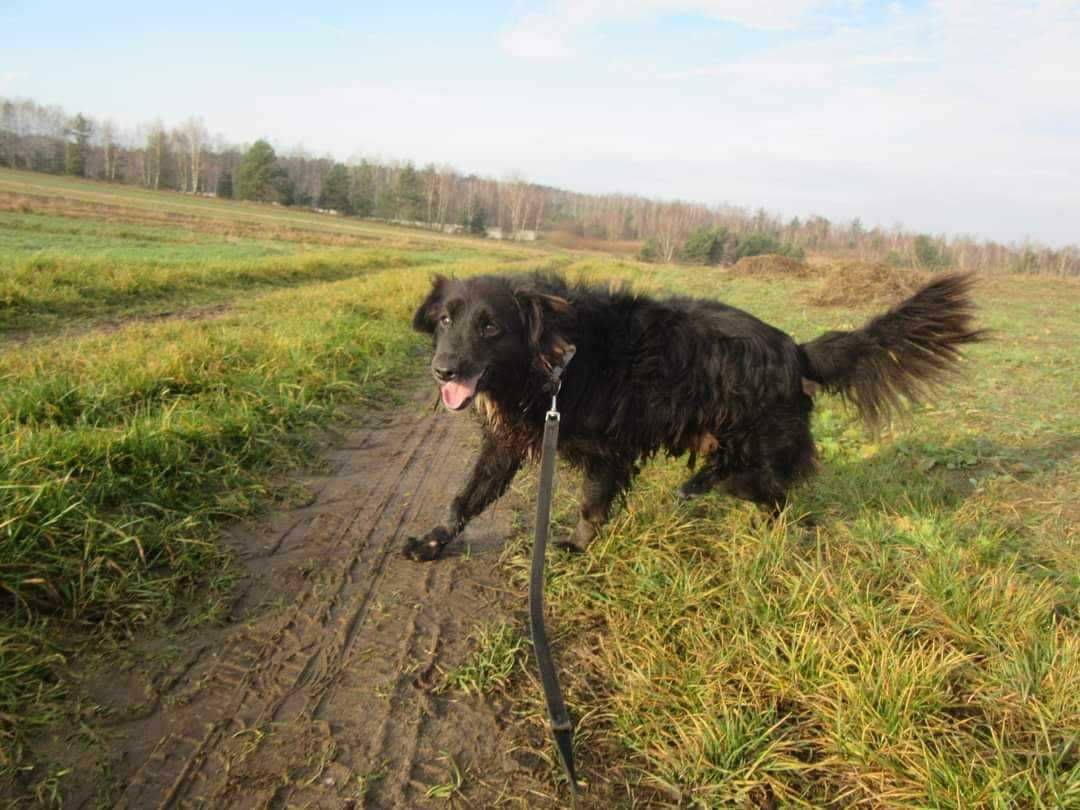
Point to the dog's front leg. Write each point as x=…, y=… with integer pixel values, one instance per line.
x=602, y=482
x=492, y=473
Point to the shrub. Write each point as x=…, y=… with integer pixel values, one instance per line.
x=648, y=252
x=478, y=222
x=712, y=245
x=706, y=245
x=929, y=253
x=758, y=244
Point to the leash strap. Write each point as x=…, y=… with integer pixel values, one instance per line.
x=562, y=730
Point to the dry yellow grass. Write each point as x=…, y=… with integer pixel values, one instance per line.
x=854, y=283
x=770, y=264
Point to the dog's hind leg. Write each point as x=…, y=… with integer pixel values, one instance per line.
x=704, y=480
x=784, y=455
x=492, y=473
x=713, y=471
x=602, y=482
x=759, y=486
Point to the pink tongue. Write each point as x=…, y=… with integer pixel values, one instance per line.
x=456, y=393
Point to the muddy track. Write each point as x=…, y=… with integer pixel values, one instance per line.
x=329, y=697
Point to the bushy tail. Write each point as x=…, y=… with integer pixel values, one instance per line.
x=900, y=356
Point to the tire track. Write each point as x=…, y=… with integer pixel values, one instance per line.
x=327, y=701
x=261, y=675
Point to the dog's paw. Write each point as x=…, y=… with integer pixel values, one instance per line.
x=429, y=547
x=694, y=487
x=686, y=492
x=583, y=534
x=566, y=543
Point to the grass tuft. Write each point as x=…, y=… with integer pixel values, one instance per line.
x=499, y=647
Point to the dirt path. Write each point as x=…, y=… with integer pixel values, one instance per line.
x=328, y=697
x=204, y=312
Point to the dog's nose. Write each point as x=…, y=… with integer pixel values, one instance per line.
x=444, y=374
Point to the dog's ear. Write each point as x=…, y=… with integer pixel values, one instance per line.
x=424, y=318
x=544, y=316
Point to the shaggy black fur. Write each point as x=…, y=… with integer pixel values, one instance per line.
x=680, y=375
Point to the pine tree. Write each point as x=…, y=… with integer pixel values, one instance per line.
x=929, y=253
x=77, y=150
x=363, y=191
x=284, y=190
x=225, y=185
x=706, y=245
x=408, y=194
x=8, y=138
x=478, y=222
x=258, y=177
x=335, y=190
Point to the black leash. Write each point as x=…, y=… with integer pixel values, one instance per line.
x=562, y=729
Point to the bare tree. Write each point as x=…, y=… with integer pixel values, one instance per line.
x=517, y=194
x=106, y=138
x=155, y=154
x=671, y=226
x=195, y=134
x=446, y=184
x=541, y=199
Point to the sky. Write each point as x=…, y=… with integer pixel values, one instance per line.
x=960, y=118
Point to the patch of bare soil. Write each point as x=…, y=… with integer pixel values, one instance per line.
x=323, y=691
x=847, y=284
x=770, y=264
x=202, y=313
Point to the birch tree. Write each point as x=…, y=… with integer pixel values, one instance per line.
x=109, y=150
x=195, y=133
x=155, y=155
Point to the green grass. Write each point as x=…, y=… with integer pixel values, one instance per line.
x=455, y=781
x=498, y=648
x=53, y=289
x=906, y=637
x=30, y=233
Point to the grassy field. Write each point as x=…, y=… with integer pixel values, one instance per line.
x=907, y=636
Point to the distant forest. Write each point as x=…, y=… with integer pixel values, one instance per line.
x=186, y=158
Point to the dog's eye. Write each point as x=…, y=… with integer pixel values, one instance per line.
x=490, y=330
x=445, y=320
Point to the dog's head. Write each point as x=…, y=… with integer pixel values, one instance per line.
x=492, y=334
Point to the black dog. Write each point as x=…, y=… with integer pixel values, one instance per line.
x=681, y=375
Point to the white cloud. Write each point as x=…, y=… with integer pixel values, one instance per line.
x=958, y=116
x=538, y=38
x=12, y=76
x=548, y=35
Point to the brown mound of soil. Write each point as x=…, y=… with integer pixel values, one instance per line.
x=853, y=283
x=770, y=264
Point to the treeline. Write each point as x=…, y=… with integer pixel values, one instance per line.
x=187, y=158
